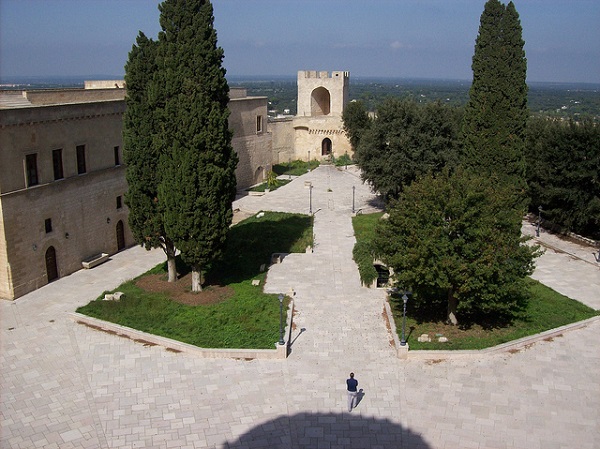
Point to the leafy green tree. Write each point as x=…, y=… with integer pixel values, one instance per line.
x=563, y=173
x=454, y=240
x=405, y=141
x=198, y=181
x=356, y=121
x=141, y=154
x=496, y=114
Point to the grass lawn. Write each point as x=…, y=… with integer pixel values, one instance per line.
x=239, y=314
x=295, y=168
x=547, y=310
x=262, y=187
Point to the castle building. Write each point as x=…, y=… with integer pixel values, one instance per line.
x=317, y=130
x=62, y=178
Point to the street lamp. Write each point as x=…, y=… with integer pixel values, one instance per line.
x=310, y=199
x=539, y=222
x=281, y=342
x=405, y=300
x=353, y=189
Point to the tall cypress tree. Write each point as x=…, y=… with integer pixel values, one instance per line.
x=198, y=165
x=141, y=154
x=496, y=113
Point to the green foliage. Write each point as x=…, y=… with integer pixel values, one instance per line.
x=198, y=162
x=455, y=241
x=295, y=168
x=343, y=160
x=249, y=319
x=356, y=121
x=140, y=155
x=363, y=252
x=496, y=114
x=405, y=141
x=546, y=310
x=264, y=186
x=272, y=181
x=563, y=173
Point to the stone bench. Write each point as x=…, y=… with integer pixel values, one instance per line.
x=94, y=260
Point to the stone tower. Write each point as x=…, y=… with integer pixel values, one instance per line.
x=318, y=126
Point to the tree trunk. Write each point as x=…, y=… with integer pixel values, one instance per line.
x=171, y=266
x=452, y=306
x=196, y=279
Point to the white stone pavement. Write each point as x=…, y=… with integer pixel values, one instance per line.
x=63, y=385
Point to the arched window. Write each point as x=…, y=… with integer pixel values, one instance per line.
x=320, y=102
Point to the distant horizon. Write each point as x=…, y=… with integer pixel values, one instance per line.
x=79, y=79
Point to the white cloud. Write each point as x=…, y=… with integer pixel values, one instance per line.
x=396, y=45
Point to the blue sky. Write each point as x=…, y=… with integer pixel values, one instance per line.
x=391, y=38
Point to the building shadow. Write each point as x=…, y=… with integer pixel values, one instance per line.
x=313, y=430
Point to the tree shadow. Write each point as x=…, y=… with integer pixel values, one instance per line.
x=312, y=430
x=252, y=242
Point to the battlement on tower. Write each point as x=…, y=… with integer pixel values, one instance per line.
x=308, y=74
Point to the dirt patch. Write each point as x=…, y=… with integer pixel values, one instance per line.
x=180, y=290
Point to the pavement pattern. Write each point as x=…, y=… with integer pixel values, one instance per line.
x=63, y=385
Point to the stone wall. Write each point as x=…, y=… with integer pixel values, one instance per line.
x=65, y=96
x=82, y=208
x=84, y=215
x=251, y=139
x=282, y=131
x=336, y=86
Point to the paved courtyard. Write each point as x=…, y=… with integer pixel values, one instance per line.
x=64, y=385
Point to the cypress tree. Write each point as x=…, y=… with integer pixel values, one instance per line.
x=140, y=154
x=496, y=114
x=198, y=162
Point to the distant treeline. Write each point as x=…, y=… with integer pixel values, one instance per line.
x=574, y=101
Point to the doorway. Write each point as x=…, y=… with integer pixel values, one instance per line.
x=120, y=236
x=51, y=265
x=326, y=147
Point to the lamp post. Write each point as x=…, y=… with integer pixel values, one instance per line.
x=281, y=342
x=310, y=199
x=539, y=222
x=353, y=189
x=405, y=300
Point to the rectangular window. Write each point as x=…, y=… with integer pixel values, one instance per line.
x=31, y=169
x=57, y=164
x=117, y=157
x=259, y=123
x=81, y=159
x=119, y=202
x=48, y=225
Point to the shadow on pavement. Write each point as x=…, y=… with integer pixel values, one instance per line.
x=313, y=430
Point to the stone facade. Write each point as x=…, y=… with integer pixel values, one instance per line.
x=61, y=190
x=54, y=212
x=318, y=126
x=251, y=138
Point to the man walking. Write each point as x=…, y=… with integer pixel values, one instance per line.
x=352, y=384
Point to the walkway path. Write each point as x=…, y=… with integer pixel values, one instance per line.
x=63, y=385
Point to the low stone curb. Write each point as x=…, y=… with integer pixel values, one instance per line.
x=511, y=346
x=280, y=351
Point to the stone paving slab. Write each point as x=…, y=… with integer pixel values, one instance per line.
x=569, y=267
x=63, y=385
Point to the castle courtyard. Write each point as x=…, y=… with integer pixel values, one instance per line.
x=64, y=385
